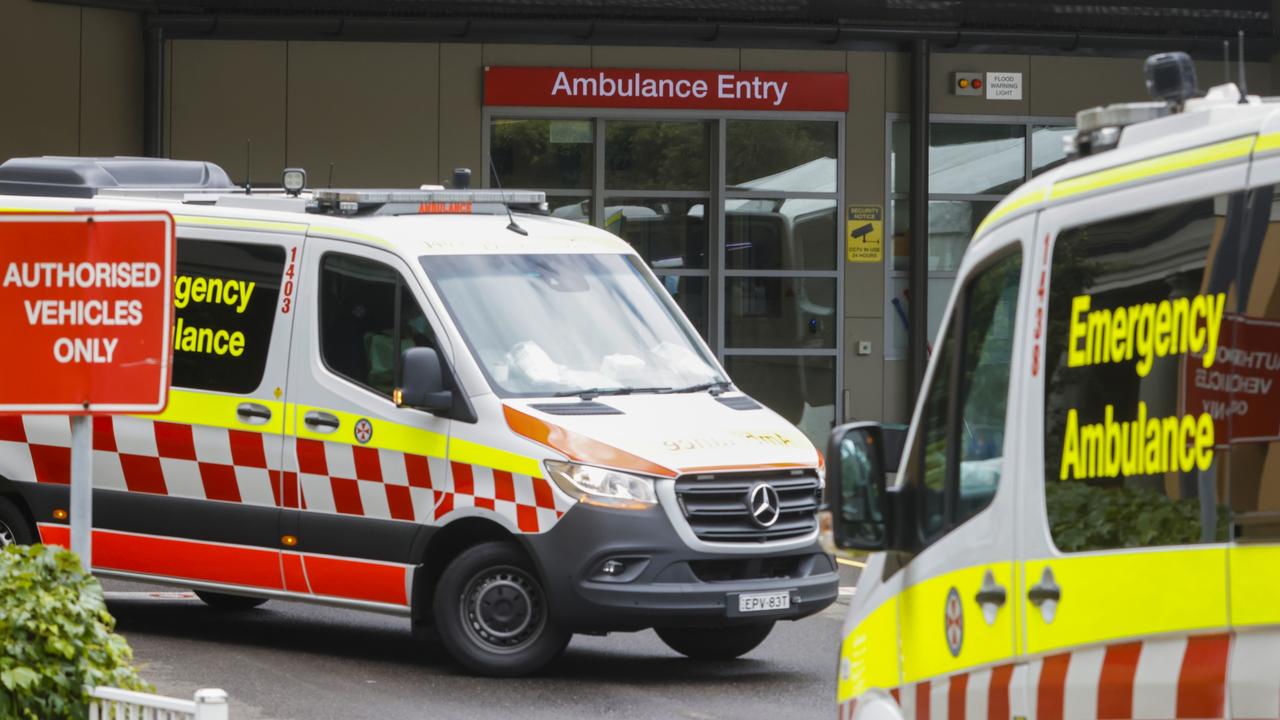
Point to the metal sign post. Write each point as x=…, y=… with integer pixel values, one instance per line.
x=91, y=296
x=82, y=489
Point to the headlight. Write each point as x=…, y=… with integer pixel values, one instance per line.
x=600, y=486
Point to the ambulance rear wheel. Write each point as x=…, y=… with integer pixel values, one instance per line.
x=491, y=613
x=223, y=601
x=724, y=643
x=14, y=529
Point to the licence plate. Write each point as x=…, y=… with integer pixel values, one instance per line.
x=764, y=602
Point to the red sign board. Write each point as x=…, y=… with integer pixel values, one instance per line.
x=86, y=304
x=1241, y=389
x=665, y=89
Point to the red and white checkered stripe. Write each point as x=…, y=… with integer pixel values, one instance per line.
x=1194, y=677
x=161, y=458
x=211, y=463
x=359, y=480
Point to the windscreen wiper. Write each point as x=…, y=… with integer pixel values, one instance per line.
x=716, y=387
x=592, y=393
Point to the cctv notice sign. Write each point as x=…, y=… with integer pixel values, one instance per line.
x=85, y=308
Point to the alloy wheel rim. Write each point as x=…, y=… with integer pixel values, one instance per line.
x=7, y=537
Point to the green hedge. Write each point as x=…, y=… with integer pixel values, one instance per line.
x=55, y=636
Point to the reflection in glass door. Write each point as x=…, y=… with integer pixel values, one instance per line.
x=737, y=216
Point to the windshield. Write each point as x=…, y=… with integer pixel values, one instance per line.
x=568, y=324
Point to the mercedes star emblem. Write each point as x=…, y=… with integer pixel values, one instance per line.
x=762, y=500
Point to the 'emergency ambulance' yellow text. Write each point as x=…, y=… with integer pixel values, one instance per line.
x=1143, y=445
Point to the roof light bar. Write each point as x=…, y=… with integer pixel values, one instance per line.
x=379, y=197
x=423, y=201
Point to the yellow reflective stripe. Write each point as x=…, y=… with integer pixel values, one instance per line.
x=344, y=234
x=201, y=408
x=386, y=435
x=923, y=608
x=1255, y=585
x=465, y=451
x=236, y=223
x=1017, y=201
x=1109, y=596
x=1267, y=143
x=870, y=653
x=1238, y=148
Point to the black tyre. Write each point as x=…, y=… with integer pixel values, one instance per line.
x=223, y=601
x=14, y=528
x=491, y=613
x=725, y=643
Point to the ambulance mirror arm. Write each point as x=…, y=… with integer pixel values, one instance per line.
x=423, y=382
x=860, y=511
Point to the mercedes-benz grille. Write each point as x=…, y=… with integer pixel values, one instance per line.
x=719, y=508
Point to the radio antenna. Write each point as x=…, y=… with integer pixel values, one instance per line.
x=248, y=166
x=330, y=176
x=1226, y=62
x=513, y=226
x=1244, y=88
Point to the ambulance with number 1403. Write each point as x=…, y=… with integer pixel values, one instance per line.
x=436, y=403
x=1085, y=518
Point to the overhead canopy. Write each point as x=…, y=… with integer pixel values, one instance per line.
x=1189, y=21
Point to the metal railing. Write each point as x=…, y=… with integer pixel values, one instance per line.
x=113, y=704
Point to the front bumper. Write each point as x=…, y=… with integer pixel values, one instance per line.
x=663, y=582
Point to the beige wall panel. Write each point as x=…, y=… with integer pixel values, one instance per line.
x=538, y=55
x=794, y=60
x=941, y=65
x=897, y=82
x=864, y=374
x=897, y=408
x=224, y=93
x=1062, y=86
x=111, y=84
x=606, y=56
x=864, y=177
x=376, y=127
x=40, y=48
x=461, y=130
x=1209, y=73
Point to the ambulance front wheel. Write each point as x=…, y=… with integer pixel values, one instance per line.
x=723, y=643
x=14, y=528
x=491, y=614
x=222, y=601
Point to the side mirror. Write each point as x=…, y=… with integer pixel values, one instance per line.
x=856, y=479
x=423, y=381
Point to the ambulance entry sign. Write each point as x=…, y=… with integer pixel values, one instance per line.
x=86, y=307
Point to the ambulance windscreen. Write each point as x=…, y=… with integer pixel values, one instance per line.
x=545, y=325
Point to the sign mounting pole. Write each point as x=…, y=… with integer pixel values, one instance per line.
x=82, y=489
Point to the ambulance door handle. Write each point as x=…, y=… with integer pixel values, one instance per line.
x=322, y=422
x=1045, y=590
x=1045, y=595
x=253, y=413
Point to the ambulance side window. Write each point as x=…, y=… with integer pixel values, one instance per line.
x=960, y=445
x=1246, y=376
x=1141, y=310
x=368, y=318
x=224, y=297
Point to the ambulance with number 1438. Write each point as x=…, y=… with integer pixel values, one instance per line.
x=1083, y=518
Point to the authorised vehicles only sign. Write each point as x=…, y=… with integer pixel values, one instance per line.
x=86, y=303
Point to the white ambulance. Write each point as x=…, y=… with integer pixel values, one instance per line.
x=421, y=403
x=1086, y=522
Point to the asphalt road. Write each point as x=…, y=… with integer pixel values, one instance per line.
x=293, y=661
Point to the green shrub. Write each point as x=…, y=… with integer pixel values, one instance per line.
x=1087, y=517
x=55, y=636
